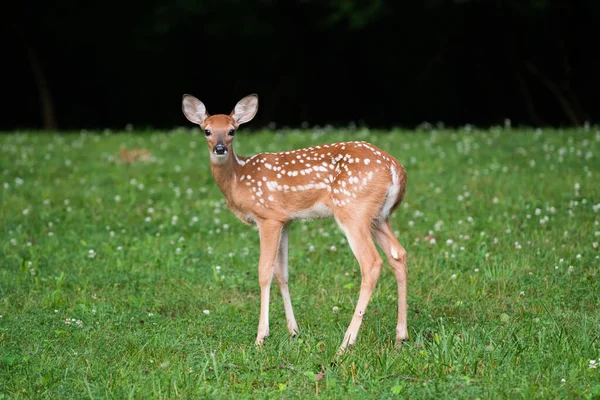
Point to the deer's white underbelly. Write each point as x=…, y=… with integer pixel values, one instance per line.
x=319, y=210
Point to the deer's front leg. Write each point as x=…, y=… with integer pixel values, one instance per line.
x=270, y=233
x=281, y=277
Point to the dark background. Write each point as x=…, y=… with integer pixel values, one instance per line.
x=74, y=64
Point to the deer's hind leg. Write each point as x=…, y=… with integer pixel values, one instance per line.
x=359, y=237
x=396, y=255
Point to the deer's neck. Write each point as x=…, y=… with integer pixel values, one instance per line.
x=225, y=173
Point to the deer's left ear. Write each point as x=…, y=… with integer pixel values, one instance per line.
x=245, y=109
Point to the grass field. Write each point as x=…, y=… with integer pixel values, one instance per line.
x=135, y=281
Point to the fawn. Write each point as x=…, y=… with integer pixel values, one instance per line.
x=355, y=182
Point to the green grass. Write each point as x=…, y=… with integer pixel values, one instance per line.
x=504, y=304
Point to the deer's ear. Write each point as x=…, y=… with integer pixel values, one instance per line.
x=193, y=109
x=245, y=109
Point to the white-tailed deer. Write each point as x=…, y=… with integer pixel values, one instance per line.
x=355, y=182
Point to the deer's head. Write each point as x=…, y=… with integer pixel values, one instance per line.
x=219, y=129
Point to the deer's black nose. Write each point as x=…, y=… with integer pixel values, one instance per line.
x=220, y=149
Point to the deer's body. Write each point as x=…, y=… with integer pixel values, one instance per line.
x=357, y=183
x=314, y=182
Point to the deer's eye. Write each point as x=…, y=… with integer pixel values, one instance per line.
x=231, y=132
x=207, y=132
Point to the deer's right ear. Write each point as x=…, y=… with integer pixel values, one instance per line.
x=193, y=109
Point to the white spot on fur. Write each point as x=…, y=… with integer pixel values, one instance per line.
x=240, y=162
x=272, y=185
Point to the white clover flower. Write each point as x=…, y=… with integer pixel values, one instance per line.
x=206, y=312
x=495, y=200
x=449, y=242
x=26, y=211
x=335, y=309
x=91, y=253
x=333, y=248
x=117, y=198
x=453, y=276
x=148, y=219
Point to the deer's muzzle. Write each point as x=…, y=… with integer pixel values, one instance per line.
x=220, y=149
